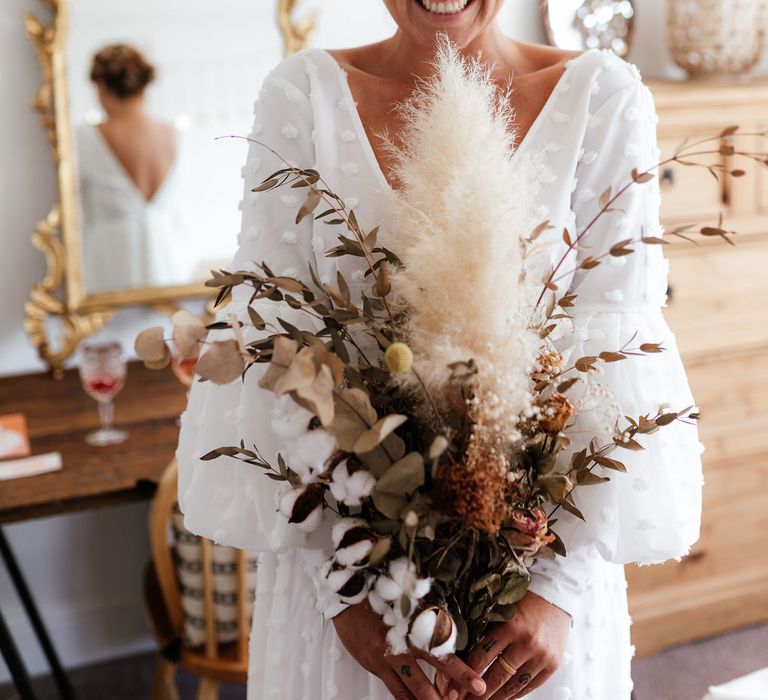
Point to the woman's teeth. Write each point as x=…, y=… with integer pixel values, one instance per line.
x=445, y=8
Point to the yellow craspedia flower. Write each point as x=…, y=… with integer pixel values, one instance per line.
x=399, y=358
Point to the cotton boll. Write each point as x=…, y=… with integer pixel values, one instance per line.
x=302, y=507
x=353, y=541
x=433, y=631
x=350, y=585
x=387, y=588
x=289, y=420
x=351, y=490
x=377, y=603
x=448, y=647
x=343, y=526
x=396, y=639
x=309, y=454
x=401, y=580
x=355, y=555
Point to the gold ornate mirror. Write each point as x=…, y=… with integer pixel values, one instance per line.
x=133, y=97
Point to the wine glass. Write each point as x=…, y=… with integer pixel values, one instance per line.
x=102, y=373
x=184, y=368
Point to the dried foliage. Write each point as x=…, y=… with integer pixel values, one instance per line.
x=440, y=514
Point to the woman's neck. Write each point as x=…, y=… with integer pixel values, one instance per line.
x=403, y=59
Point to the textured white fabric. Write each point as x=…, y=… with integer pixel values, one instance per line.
x=129, y=242
x=598, y=125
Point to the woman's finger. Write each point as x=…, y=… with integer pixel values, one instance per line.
x=520, y=683
x=508, y=666
x=413, y=678
x=482, y=656
x=395, y=686
x=487, y=649
x=464, y=676
x=538, y=680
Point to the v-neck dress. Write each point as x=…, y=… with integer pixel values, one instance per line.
x=597, y=126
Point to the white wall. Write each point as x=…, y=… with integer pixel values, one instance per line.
x=85, y=569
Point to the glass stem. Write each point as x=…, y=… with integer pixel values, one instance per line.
x=106, y=414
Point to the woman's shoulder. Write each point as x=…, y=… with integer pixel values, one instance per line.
x=605, y=75
x=293, y=72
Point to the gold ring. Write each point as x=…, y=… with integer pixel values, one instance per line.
x=505, y=665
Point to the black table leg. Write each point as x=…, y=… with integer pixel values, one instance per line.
x=59, y=675
x=14, y=662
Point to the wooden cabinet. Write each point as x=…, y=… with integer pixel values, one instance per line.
x=719, y=311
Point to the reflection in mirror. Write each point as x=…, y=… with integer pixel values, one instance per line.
x=152, y=85
x=590, y=24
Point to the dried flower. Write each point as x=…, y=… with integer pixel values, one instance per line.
x=401, y=579
x=433, y=631
x=555, y=414
x=302, y=506
x=450, y=226
x=550, y=363
x=289, y=420
x=348, y=584
x=399, y=358
x=528, y=530
x=353, y=540
x=351, y=489
x=308, y=456
x=475, y=489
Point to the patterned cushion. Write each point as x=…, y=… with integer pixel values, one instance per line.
x=188, y=551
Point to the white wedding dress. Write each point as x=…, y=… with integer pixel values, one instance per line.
x=129, y=242
x=598, y=124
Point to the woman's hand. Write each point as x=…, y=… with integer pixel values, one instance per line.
x=521, y=654
x=363, y=633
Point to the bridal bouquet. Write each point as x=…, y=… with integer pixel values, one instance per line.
x=428, y=409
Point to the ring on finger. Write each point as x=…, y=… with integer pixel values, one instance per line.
x=509, y=670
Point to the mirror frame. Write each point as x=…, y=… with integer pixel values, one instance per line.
x=59, y=298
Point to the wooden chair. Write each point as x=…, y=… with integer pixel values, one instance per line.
x=213, y=663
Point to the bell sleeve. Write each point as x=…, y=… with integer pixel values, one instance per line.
x=223, y=499
x=651, y=513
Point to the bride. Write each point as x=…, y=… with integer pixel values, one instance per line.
x=585, y=120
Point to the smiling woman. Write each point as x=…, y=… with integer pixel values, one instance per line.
x=580, y=123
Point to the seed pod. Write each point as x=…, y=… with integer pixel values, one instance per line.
x=303, y=506
x=433, y=630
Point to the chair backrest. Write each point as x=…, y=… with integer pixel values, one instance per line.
x=163, y=520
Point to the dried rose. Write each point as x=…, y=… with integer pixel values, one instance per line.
x=556, y=412
x=529, y=530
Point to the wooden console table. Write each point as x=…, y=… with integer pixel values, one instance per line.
x=59, y=414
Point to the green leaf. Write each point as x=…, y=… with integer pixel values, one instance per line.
x=389, y=504
x=376, y=434
x=405, y=476
x=513, y=591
